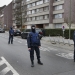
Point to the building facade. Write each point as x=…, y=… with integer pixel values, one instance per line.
x=2, y=16
x=48, y=14
x=8, y=16
x=63, y=13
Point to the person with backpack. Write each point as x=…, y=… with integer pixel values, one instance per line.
x=33, y=42
x=11, y=34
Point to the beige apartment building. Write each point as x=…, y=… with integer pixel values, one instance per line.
x=48, y=14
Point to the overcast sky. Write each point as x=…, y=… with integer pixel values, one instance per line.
x=4, y=2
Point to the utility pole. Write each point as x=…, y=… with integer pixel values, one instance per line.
x=70, y=20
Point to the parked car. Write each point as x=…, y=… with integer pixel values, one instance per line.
x=17, y=32
x=2, y=30
x=25, y=33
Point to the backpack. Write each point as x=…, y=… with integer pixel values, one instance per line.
x=34, y=37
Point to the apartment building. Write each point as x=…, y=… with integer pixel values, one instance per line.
x=48, y=14
x=62, y=12
x=34, y=12
x=37, y=13
x=8, y=16
x=2, y=16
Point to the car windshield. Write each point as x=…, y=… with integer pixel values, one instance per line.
x=38, y=30
x=1, y=28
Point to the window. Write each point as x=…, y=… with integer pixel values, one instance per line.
x=37, y=18
x=27, y=0
x=37, y=3
x=41, y=2
x=41, y=9
x=33, y=18
x=58, y=7
x=46, y=16
x=59, y=25
x=45, y=1
x=33, y=11
x=33, y=4
x=41, y=17
x=29, y=19
x=28, y=12
x=37, y=10
x=29, y=5
x=58, y=16
x=46, y=8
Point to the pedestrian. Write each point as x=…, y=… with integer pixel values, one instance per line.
x=74, y=44
x=11, y=34
x=33, y=42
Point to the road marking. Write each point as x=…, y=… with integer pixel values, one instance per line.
x=4, y=71
x=66, y=55
x=8, y=68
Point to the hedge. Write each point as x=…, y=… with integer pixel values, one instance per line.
x=59, y=32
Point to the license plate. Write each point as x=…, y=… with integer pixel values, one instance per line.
x=17, y=33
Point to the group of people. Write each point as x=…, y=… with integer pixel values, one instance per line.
x=33, y=42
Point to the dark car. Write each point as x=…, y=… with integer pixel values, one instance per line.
x=24, y=34
x=17, y=32
x=2, y=30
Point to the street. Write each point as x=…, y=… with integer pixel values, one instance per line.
x=15, y=60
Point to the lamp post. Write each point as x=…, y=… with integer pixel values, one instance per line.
x=70, y=20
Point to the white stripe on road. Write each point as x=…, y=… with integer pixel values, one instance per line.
x=1, y=62
x=4, y=71
x=8, y=65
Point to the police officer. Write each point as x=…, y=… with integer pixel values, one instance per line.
x=74, y=44
x=33, y=42
x=11, y=33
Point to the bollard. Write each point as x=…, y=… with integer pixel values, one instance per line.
x=69, y=42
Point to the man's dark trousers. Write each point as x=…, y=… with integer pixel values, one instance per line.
x=10, y=39
x=74, y=51
x=36, y=48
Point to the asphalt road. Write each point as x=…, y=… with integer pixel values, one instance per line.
x=14, y=59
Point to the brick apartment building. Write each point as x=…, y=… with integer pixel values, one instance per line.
x=1, y=17
x=44, y=13
x=6, y=16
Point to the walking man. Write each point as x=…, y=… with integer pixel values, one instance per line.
x=74, y=44
x=33, y=42
x=11, y=34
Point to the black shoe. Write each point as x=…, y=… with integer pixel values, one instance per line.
x=40, y=63
x=11, y=43
x=32, y=65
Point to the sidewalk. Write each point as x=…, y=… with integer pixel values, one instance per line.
x=59, y=42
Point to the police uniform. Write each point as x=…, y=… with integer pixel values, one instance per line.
x=32, y=45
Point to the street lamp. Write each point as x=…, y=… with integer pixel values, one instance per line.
x=70, y=21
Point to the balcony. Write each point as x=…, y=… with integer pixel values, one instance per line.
x=61, y=20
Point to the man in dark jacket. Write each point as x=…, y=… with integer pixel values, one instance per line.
x=33, y=42
x=11, y=34
x=74, y=44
